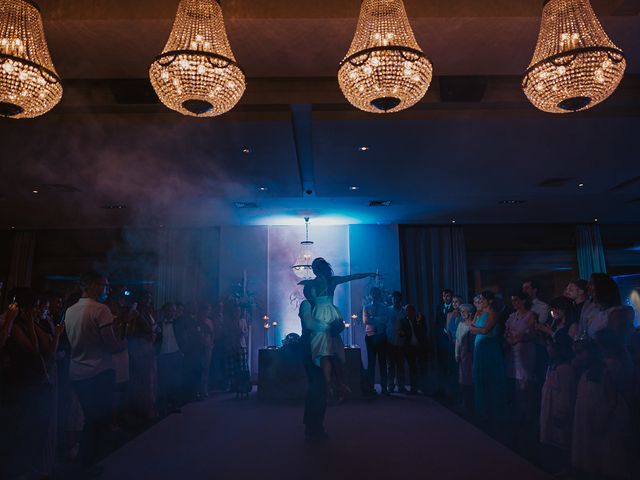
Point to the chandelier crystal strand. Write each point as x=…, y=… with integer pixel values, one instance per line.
x=197, y=73
x=575, y=65
x=29, y=83
x=385, y=69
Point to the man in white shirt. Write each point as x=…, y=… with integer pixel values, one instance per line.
x=90, y=330
x=541, y=309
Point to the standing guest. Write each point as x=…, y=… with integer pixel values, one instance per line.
x=90, y=329
x=577, y=293
x=27, y=388
x=397, y=341
x=520, y=332
x=237, y=333
x=488, y=362
x=189, y=335
x=121, y=315
x=416, y=349
x=206, y=330
x=541, y=309
x=374, y=317
x=558, y=397
x=442, y=340
x=453, y=320
x=464, y=355
x=599, y=443
x=169, y=363
x=143, y=334
x=562, y=324
x=605, y=296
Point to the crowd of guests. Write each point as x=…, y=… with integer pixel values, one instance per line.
x=76, y=372
x=561, y=378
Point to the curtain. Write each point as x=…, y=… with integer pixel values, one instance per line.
x=590, y=251
x=21, y=264
x=188, y=262
x=432, y=259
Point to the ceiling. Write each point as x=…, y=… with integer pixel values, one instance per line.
x=454, y=156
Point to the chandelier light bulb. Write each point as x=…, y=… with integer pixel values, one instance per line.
x=575, y=65
x=197, y=74
x=29, y=83
x=385, y=69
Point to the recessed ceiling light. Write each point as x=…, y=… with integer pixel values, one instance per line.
x=353, y=188
x=35, y=191
x=595, y=219
x=379, y=203
x=246, y=150
x=511, y=202
x=581, y=185
x=263, y=189
x=13, y=228
x=245, y=205
x=363, y=148
x=114, y=206
x=453, y=221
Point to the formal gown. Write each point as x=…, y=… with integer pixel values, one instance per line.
x=324, y=343
x=489, y=378
x=521, y=357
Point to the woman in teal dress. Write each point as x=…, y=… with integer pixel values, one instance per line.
x=489, y=375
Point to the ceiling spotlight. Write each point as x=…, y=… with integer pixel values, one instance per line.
x=353, y=188
x=453, y=221
x=595, y=219
x=35, y=191
x=263, y=189
x=113, y=207
x=246, y=150
x=363, y=148
x=581, y=185
x=245, y=204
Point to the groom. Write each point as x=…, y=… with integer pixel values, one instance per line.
x=315, y=403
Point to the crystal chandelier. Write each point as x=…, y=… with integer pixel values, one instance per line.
x=302, y=265
x=197, y=74
x=575, y=65
x=29, y=84
x=384, y=70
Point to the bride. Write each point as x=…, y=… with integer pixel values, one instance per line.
x=327, y=349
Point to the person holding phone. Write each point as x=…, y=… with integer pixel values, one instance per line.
x=27, y=350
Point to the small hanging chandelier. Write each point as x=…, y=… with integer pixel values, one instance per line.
x=29, y=84
x=197, y=74
x=575, y=65
x=302, y=265
x=384, y=70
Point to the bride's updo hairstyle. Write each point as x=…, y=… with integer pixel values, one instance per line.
x=321, y=268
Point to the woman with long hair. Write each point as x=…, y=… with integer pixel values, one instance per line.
x=489, y=379
x=327, y=349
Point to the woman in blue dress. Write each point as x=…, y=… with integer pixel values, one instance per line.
x=489, y=376
x=327, y=349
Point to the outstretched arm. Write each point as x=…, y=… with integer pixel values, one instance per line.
x=356, y=276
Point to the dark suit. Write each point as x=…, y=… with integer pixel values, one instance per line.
x=315, y=404
x=442, y=345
